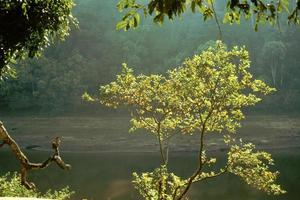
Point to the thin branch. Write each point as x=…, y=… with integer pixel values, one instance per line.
x=26, y=165
x=222, y=171
x=216, y=19
x=277, y=17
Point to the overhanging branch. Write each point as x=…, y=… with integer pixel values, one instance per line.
x=26, y=165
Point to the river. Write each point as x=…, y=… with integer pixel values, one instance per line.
x=106, y=175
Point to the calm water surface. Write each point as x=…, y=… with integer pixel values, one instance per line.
x=107, y=175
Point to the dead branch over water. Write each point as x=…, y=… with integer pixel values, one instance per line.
x=26, y=165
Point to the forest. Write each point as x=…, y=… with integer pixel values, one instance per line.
x=94, y=52
x=149, y=99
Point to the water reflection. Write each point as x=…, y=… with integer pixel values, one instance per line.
x=108, y=175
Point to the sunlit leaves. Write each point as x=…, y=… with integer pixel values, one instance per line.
x=208, y=90
x=86, y=97
x=10, y=186
x=204, y=95
x=132, y=18
x=159, y=184
x=254, y=168
x=150, y=99
x=214, y=87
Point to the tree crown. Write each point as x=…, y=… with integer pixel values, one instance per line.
x=209, y=89
x=28, y=26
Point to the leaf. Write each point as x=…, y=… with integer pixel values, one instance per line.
x=136, y=19
x=121, y=25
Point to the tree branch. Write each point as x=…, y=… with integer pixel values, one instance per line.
x=225, y=170
x=191, y=179
x=201, y=163
x=26, y=165
x=161, y=148
x=217, y=20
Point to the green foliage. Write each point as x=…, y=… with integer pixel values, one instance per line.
x=206, y=95
x=99, y=49
x=150, y=109
x=253, y=167
x=205, y=46
x=27, y=27
x=235, y=9
x=132, y=18
x=7, y=73
x=159, y=184
x=46, y=84
x=210, y=87
x=10, y=187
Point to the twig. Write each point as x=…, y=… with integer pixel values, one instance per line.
x=222, y=171
x=277, y=17
x=217, y=20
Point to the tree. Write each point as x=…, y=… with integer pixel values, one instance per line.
x=262, y=11
x=204, y=96
x=25, y=163
x=27, y=27
x=47, y=84
x=275, y=52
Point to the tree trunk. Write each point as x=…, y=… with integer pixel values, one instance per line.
x=274, y=73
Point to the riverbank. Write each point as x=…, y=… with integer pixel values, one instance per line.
x=110, y=134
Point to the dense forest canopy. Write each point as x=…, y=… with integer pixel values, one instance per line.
x=93, y=54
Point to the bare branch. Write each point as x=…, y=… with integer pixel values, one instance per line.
x=217, y=20
x=26, y=165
